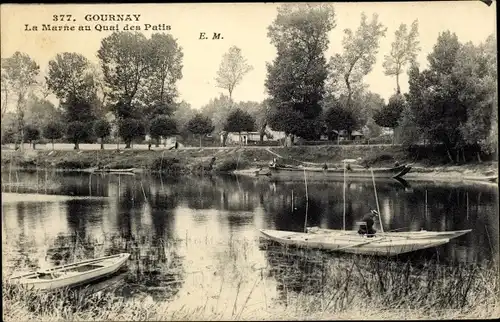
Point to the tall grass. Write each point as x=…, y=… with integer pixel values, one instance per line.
x=293, y=284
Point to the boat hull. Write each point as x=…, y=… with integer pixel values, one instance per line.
x=396, y=172
x=67, y=277
x=354, y=243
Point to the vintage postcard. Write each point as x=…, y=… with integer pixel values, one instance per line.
x=250, y=161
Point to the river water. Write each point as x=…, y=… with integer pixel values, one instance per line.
x=196, y=238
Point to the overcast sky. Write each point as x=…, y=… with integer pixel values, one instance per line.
x=243, y=25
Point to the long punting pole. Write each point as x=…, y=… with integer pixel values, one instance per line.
x=307, y=201
x=343, y=214
x=425, y=203
x=376, y=199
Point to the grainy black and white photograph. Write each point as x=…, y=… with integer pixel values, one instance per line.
x=249, y=161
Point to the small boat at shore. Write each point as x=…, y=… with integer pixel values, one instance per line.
x=355, y=172
x=72, y=275
x=109, y=170
x=381, y=244
x=492, y=178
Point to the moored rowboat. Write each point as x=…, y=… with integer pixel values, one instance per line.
x=72, y=274
x=107, y=170
x=356, y=172
x=384, y=244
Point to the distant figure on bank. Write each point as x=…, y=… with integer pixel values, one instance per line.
x=348, y=167
x=396, y=164
x=149, y=146
x=273, y=163
x=176, y=145
x=366, y=228
x=325, y=167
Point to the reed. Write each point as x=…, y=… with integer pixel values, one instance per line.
x=293, y=284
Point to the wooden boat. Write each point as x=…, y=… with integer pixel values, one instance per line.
x=383, y=244
x=492, y=178
x=108, y=170
x=72, y=274
x=355, y=172
x=421, y=234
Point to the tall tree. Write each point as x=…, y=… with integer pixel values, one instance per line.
x=404, y=50
x=232, y=69
x=359, y=55
x=69, y=75
x=20, y=72
x=165, y=70
x=125, y=62
x=296, y=78
x=200, y=125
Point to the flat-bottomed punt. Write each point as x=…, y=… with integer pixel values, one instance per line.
x=382, y=244
x=355, y=172
x=72, y=275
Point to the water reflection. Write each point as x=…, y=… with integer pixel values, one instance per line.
x=183, y=233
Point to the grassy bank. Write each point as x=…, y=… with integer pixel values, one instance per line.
x=186, y=161
x=308, y=285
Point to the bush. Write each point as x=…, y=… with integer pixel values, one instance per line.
x=169, y=165
x=231, y=165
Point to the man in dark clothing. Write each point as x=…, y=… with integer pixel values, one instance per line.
x=367, y=227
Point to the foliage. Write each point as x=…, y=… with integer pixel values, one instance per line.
x=165, y=70
x=31, y=133
x=129, y=129
x=260, y=111
x=232, y=69
x=296, y=78
x=338, y=117
x=200, y=125
x=162, y=126
x=124, y=60
x=69, y=77
x=102, y=129
x=218, y=110
x=53, y=130
x=19, y=76
x=77, y=132
x=239, y=121
x=452, y=102
x=359, y=55
x=182, y=114
x=40, y=112
x=140, y=73
x=77, y=109
x=390, y=114
x=403, y=51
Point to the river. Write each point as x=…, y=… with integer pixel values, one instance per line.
x=196, y=238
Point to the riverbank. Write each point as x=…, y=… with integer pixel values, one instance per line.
x=239, y=160
x=343, y=287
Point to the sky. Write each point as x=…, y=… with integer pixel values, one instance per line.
x=242, y=25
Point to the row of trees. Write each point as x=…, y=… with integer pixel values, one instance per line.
x=309, y=95
x=451, y=103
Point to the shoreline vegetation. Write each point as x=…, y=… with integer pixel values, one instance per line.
x=339, y=287
x=240, y=160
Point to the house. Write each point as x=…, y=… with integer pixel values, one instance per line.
x=253, y=136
